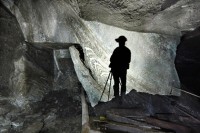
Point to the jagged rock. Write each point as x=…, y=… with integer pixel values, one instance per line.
x=26, y=73
x=34, y=128
x=159, y=16
x=92, y=89
x=152, y=64
x=152, y=68
x=11, y=39
x=26, y=77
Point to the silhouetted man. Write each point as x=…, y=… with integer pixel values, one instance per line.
x=119, y=63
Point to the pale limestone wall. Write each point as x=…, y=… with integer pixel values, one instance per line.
x=152, y=67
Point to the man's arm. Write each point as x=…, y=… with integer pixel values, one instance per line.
x=112, y=58
x=129, y=57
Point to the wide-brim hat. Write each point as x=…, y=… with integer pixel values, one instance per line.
x=121, y=39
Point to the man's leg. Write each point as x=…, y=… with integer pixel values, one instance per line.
x=116, y=83
x=123, y=82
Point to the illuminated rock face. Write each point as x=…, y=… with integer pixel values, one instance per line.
x=152, y=68
x=49, y=20
x=158, y=16
x=152, y=64
x=31, y=99
x=44, y=21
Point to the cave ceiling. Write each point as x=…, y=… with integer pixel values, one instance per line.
x=159, y=16
x=172, y=17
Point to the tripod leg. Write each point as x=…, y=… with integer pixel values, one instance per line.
x=105, y=86
x=110, y=87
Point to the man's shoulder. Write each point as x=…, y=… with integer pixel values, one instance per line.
x=117, y=49
x=122, y=49
x=127, y=49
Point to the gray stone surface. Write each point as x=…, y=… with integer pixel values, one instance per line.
x=183, y=110
x=11, y=40
x=152, y=68
x=28, y=100
x=35, y=106
x=91, y=87
x=152, y=64
x=38, y=86
x=45, y=20
x=42, y=56
x=158, y=16
x=29, y=82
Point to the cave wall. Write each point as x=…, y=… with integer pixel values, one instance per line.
x=21, y=80
x=11, y=46
x=42, y=56
x=59, y=21
x=44, y=20
x=171, y=17
x=158, y=16
x=152, y=64
x=28, y=102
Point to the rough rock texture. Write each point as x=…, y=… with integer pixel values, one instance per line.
x=183, y=110
x=59, y=21
x=90, y=85
x=39, y=88
x=31, y=100
x=11, y=40
x=39, y=102
x=158, y=16
x=29, y=82
x=44, y=20
x=59, y=111
x=152, y=59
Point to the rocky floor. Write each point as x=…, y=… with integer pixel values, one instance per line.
x=59, y=112
x=141, y=112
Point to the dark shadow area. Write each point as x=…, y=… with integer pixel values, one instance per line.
x=168, y=3
x=188, y=61
x=142, y=112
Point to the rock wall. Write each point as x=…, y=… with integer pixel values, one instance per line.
x=21, y=79
x=152, y=64
x=44, y=20
x=28, y=102
x=158, y=16
x=153, y=55
x=28, y=81
x=11, y=47
x=42, y=56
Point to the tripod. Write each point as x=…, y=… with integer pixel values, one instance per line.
x=109, y=76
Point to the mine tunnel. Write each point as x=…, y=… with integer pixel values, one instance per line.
x=54, y=63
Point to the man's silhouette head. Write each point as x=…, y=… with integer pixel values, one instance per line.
x=121, y=40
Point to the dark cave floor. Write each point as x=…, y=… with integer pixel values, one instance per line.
x=141, y=112
x=58, y=112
